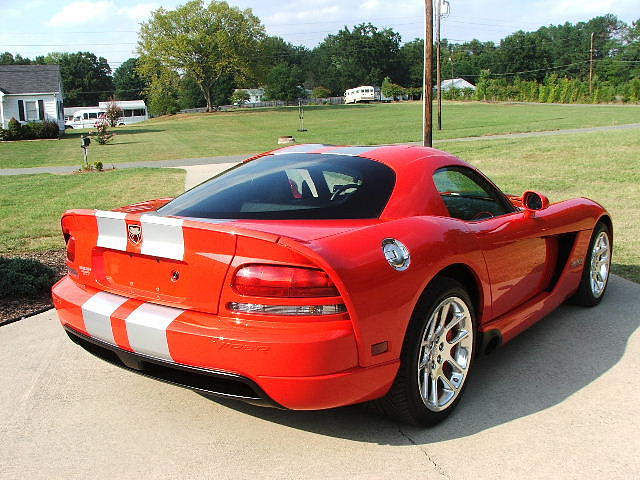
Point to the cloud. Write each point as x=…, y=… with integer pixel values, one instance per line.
x=101, y=11
x=292, y=14
x=139, y=12
x=78, y=13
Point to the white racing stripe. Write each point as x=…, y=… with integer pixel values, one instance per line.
x=112, y=230
x=97, y=312
x=147, y=329
x=162, y=237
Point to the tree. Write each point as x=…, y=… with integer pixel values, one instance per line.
x=163, y=92
x=86, y=79
x=321, y=92
x=208, y=43
x=284, y=83
x=7, y=58
x=392, y=90
x=112, y=113
x=239, y=97
x=364, y=55
x=127, y=81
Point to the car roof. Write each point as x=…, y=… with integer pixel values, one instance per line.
x=414, y=166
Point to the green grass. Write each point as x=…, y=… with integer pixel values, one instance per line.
x=251, y=131
x=603, y=166
x=31, y=205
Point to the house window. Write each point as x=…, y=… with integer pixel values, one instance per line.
x=31, y=109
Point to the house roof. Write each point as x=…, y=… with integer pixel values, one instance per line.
x=29, y=78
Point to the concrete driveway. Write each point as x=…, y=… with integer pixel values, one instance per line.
x=560, y=401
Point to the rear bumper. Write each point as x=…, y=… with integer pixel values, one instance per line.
x=297, y=365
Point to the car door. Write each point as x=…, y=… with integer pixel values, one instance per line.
x=519, y=258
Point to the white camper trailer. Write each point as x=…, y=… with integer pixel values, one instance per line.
x=363, y=93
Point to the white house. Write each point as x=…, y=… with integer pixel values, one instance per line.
x=458, y=83
x=255, y=94
x=31, y=93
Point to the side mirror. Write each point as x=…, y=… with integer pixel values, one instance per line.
x=534, y=201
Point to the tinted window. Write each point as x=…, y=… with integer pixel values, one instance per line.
x=291, y=186
x=468, y=196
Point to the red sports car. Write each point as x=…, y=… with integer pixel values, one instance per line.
x=317, y=276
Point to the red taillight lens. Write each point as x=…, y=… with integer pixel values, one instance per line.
x=277, y=281
x=71, y=246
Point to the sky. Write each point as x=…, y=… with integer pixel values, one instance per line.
x=109, y=27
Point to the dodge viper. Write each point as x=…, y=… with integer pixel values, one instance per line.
x=318, y=276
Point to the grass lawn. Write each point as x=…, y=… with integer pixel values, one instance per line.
x=250, y=131
x=31, y=205
x=603, y=166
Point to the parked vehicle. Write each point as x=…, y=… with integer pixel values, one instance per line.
x=315, y=276
x=363, y=93
x=133, y=111
x=85, y=118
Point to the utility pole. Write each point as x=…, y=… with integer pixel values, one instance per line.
x=427, y=83
x=591, y=51
x=438, y=70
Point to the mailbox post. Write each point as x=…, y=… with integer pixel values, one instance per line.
x=85, y=142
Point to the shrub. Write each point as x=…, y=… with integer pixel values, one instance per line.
x=321, y=92
x=101, y=133
x=30, y=131
x=113, y=112
x=98, y=165
x=20, y=277
x=49, y=129
x=14, y=130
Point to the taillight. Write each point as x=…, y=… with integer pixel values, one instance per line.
x=71, y=245
x=279, y=281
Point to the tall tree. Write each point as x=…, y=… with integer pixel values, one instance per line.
x=206, y=42
x=350, y=58
x=284, y=83
x=7, y=58
x=86, y=79
x=127, y=81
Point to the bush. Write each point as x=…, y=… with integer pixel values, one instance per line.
x=321, y=92
x=30, y=131
x=20, y=277
x=102, y=133
x=14, y=130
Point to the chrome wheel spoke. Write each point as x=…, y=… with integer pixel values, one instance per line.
x=448, y=383
x=444, y=354
x=600, y=264
x=433, y=397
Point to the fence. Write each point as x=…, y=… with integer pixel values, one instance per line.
x=273, y=104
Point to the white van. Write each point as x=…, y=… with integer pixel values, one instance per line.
x=84, y=118
x=133, y=111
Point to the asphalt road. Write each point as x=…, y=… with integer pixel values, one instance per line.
x=560, y=401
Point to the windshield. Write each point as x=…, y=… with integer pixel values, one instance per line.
x=291, y=187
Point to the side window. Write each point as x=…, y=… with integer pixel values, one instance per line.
x=467, y=195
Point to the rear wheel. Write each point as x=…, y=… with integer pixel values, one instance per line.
x=595, y=276
x=436, y=357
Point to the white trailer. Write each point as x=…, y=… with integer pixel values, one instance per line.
x=133, y=111
x=363, y=93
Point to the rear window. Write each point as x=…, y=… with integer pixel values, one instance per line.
x=291, y=187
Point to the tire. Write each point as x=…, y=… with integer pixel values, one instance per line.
x=406, y=400
x=597, y=268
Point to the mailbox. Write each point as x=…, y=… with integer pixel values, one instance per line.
x=86, y=141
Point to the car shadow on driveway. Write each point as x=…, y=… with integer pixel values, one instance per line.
x=553, y=360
